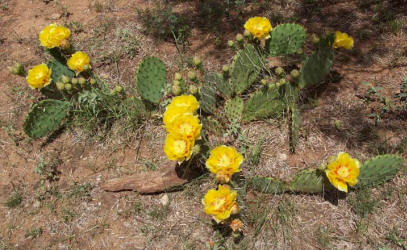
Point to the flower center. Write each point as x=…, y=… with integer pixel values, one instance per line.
x=219, y=203
x=179, y=146
x=224, y=161
x=343, y=171
x=185, y=129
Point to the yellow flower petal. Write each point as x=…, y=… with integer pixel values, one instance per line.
x=39, y=76
x=224, y=161
x=219, y=203
x=186, y=125
x=78, y=61
x=342, y=171
x=54, y=35
x=259, y=27
x=343, y=40
x=178, y=148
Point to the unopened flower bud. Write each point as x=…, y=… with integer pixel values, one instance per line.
x=176, y=83
x=246, y=33
x=222, y=178
x=17, y=69
x=235, y=209
x=176, y=90
x=60, y=85
x=279, y=71
x=239, y=37
x=65, y=79
x=225, y=68
x=315, y=39
x=231, y=43
x=82, y=81
x=191, y=75
x=196, y=149
x=263, y=81
x=74, y=81
x=118, y=89
x=68, y=86
x=87, y=67
x=92, y=81
x=193, y=89
x=178, y=76
x=65, y=44
x=295, y=73
x=197, y=61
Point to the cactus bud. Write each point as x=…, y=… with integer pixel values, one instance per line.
x=197, y=61
x=193, y=89
x=239, y=37
x=178, y=76
x=74, y=81
x=92, y=81
x=279, y=71
x=17, y=69
x=263, y=81
x=82, y=81
x=65, y=44
x=118, y=89
x=196, y=149
x=315, y=38
x=191, y=75
x=87, y=67
x=60, y=86
x=68, y=86
x=222, y=178
x=65, y=79
x=176, y=83
x=231, y=43
x=176, y=90
x=295, y=73
x=282, y=81
x=113, y=92
x=246, y=33
x=235, y=209
x=225, y=68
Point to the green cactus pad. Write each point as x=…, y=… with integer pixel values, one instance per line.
x=245, y=68
x=234, y=109
x=222, y=85
x=262, y=105
x=151, y=79
x=58, y=70
x=208, y=95
x=267, y=185
x=213, y=126
x=378, y=170
x=308, y=181
x=286, y=39
x=45, y=117
x=316, y=67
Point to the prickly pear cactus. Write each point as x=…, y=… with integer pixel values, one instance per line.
x=151, y=79
x=286, y=39
x=308, y=181
x=222, y=85
x=268, y=185
x=245, y=68
x=263, y=104
x=378, y=170
x=58, y=70
x=208, y=95
x=45, y=117
x=234, y=109
x=316, y=67
x=212, y=125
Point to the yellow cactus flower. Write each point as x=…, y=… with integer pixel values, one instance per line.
x=219, y=203
x=343, y=171
x=343, y=40
x=54, y=35
x=259, y=27
x=185, y=102
x=186, y=125
x=78, y=61
x=172, y=113
x=39, y=76
x=224, y=162
x=178, y=148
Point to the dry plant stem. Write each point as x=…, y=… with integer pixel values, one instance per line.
x=146, y=183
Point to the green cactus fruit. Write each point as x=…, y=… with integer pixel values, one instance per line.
x=177, y=76
x=60, y=86
x=245, y=68
x=208, y=95
x=58, y=70
x=68, y=86
x=191, y=75
x=231, y=43
x=176, y=82
x=378, y=170
x=222, y=85
x=151, y=79
x=267, y=185
x=295, y=73
x=82, y=81
x=308, y=181
x=246, y=33
x=213, y=126
x=239, y=37
x=286, y=39
x=176, y=90
x=87, y=67
x=197, y=61
x=316, y=67
x=279, y=71
x=74, y=81
x=92, y=81
x=193, y=90
x=65, y=79
x=118, y=89
x=45, y=117
x=234, y=109
x=263, y=104
x=264, y=81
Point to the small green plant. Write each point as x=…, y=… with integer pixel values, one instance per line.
x=47, y=168
x=33, y=233
x=14, y=200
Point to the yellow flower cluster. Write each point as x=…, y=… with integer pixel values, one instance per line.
x=182, y=126
x=259, y=27
x=39, y=76
x=343, y=171
x=54, y=35
x=220, y=203
x=342, y=40
x=224, y=162
x=78, y=61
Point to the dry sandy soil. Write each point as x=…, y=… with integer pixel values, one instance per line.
x=72, y=212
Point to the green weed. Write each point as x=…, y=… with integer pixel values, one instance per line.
x=33, y=233
x=14, y=200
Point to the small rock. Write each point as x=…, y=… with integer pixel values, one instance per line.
x=37, y=204
x=282, y=157
x=55, y=16
x=165, y=200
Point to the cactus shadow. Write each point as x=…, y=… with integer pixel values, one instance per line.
x=53, y=136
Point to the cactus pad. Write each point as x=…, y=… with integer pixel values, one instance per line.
x=378, y=170
x=222, y=85
x=316, y=67
x=151, y=79
x=267, y=185
x=208, y=95
x=234, y=109
x=286, y=39
x=212, y=125
x=45, y=117
x=308, y=181
x=245, y=68
x=58, y=70
x=263, y=104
